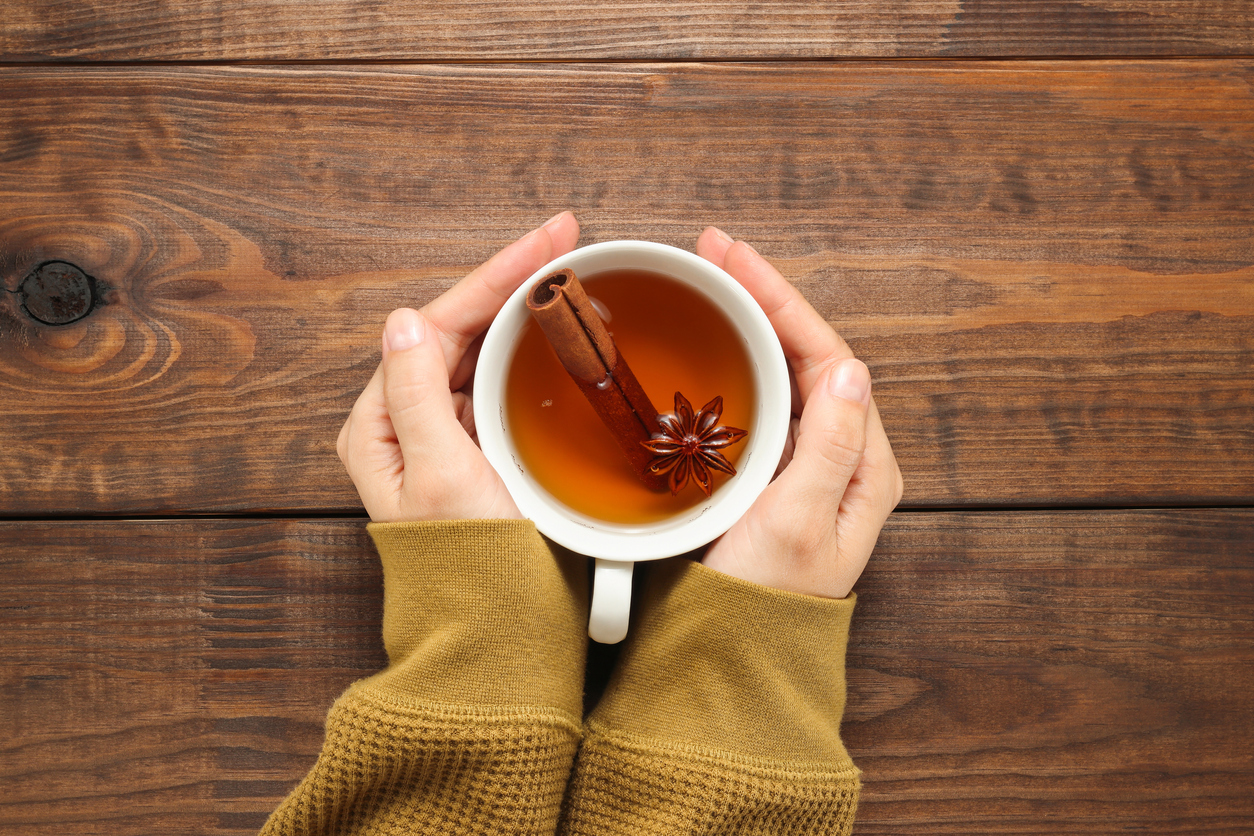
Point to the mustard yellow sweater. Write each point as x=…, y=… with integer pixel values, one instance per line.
x=722, y=717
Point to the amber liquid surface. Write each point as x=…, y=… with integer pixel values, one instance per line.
x=674, y=339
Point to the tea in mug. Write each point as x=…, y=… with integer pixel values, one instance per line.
x=675, y=340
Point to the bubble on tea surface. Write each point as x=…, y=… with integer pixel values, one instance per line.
x=600, y=308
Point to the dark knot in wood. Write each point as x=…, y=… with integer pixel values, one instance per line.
x=58, y=293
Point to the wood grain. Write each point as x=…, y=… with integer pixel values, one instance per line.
x=1049, y=268
x=173, y=676
x=1056, y=673
x=457, y=30
x=1051, y=672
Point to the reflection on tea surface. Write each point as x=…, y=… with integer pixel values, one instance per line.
x=674, y=339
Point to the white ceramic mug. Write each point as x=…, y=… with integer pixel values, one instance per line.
x=617, y=546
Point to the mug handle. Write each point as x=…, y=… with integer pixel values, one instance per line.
x=611, y=601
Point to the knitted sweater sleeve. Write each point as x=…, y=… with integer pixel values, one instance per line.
x=722, y=716
x=473, y=726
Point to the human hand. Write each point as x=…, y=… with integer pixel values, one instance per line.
x=408, y=443
x=813, y=529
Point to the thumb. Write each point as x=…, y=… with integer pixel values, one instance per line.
x=832, y=437
x=790, y=539
x=415, y=385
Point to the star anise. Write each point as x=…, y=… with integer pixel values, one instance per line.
x=689, y=444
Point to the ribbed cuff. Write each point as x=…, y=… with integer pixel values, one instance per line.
x=481, y=612
x=720, y=663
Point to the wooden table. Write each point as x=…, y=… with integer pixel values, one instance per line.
x=1034, y=219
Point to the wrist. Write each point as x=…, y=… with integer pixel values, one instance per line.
x=725, y=664
x=791, y=574
x=481, y=612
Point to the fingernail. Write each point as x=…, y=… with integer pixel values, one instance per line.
x=405, y=329
x=721, y=234
x=851, y=381
x=554, y=219
x=751, y=247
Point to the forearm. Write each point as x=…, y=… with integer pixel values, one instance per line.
x=723, y=716
x=475, y=722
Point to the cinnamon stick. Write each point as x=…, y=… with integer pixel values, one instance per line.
x=587, y=351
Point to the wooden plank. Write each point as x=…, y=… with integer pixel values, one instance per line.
x=173, y=676
x=1011, y=672
x=457, y=30
x=1056, y=673
x=1048, y=267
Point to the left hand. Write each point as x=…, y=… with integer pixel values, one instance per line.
x=408, y=443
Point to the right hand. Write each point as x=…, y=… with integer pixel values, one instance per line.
x=813, y=529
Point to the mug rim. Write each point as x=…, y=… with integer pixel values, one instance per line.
x=687, y=530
